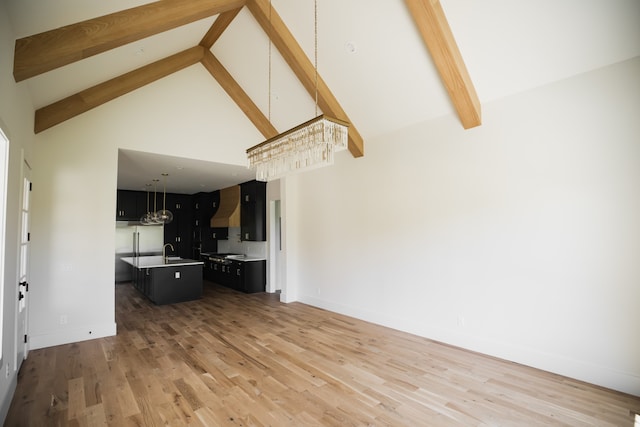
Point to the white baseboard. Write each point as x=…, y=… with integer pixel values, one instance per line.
x=582, y=370
x=68, y=336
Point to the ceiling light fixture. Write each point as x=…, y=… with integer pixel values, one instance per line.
x=306, y=146
x=149, y=217
x=164, y=216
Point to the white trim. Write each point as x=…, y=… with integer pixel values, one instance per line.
x=67, y=336
x=4, y=158
x=626, y=382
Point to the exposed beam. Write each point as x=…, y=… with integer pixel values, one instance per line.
x=217, y=28
x=46, y=51
x=95, y=96
x=303, y=68
x=238, y=95
x=436, y=33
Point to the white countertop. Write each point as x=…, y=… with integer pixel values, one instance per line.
x=244, y=258
x=158, y=261
x=234, y=257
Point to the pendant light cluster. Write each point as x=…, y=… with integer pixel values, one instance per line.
x=162, y=216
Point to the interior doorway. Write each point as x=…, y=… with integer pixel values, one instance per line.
x=275, y=247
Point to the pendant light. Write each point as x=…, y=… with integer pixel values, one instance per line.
x=307, y=146
x=164, y=216
x=148, y=217
x=154, y=213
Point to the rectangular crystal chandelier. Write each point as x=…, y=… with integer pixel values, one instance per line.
x=307, y=146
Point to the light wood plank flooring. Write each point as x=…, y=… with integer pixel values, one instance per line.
x=232, y=359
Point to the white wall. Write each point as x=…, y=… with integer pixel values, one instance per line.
x=75, y=191
x=16, y=113
x=519, y=238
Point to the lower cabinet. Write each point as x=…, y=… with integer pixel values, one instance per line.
x=168, y=285
x=243, y=276
x=249, y=276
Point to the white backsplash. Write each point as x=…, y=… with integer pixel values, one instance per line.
x=237, y=246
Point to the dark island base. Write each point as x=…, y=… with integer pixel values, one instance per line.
x=169, y=285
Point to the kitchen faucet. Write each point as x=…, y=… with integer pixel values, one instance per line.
x=164, y=253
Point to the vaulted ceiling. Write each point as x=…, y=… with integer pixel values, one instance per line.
x=383, y=65
x=49, y=50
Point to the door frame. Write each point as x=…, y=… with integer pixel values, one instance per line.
x=275, y=247
x=22, y=305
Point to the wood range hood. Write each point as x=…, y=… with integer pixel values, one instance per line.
x=228, y=213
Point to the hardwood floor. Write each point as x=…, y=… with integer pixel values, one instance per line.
x=233, y=359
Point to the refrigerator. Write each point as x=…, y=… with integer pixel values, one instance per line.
x=134, y=240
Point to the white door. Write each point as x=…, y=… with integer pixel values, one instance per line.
x=22, y=345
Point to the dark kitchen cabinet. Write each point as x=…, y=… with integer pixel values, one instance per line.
x=209, y=203
x=197, y=215
x=130, y=205
x=219, y=233
x=243, y=276
x=168, y=285
x=217, y=272
x=214, y=270
x=204, y=206
x=226, y=278
x=178, y=232
x=198, y=228
x=253, y=211
x=207, y=268
x=142, y=279
x=248, y=277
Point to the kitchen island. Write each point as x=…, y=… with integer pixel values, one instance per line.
x=167, y=281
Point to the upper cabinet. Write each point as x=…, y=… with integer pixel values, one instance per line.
x=130, y=205
x=253, y=211
x=179, y=231
x=210, y=205
x=205, y=206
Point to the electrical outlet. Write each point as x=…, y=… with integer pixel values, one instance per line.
x=63, y=319
x=7, y=371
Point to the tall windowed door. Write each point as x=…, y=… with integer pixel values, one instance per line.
x=22, y=344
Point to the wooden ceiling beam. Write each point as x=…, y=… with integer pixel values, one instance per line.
x=95, y=96
x=217, y=28
x=52, y=49
x=238, y=95
x=436, y=33
x=303, y=68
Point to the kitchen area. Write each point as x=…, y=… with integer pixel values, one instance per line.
x=213, y=237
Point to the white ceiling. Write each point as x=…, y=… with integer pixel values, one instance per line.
x=386, y=83
x=185, y=176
